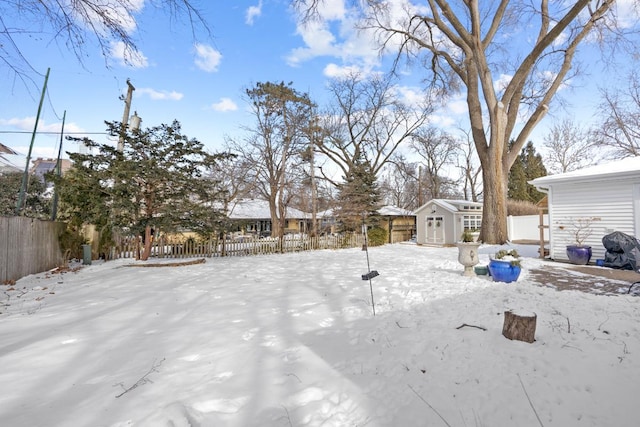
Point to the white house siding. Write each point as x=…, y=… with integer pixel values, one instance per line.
x=610, y=200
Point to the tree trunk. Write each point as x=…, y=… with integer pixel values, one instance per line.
x=519, y=327
x=494, y=211
x=275, y=220
x=147, y=244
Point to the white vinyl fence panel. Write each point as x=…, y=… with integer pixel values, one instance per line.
x=526, y=227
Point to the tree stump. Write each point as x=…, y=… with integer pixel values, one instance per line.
x=519, y=327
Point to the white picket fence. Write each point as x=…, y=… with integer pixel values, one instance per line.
x=247, y=246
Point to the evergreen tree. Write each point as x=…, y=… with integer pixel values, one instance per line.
x=156, y=183
x=358, y=197
x=527, y=166
x=36, y=202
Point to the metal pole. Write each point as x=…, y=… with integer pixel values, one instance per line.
x=314, y=189
x=125, y=116
x=54, y=207
x=25, y=177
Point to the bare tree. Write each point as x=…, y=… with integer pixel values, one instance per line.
x=437, y=149
x=74, y=23
x=568, y=147
x=620, y=130
x=367, y=122
x=399, y=183
x=470, y=170
x=273, y=146
x=472, y=45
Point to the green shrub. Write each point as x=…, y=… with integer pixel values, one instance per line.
x=377, y=236
x=70, y=241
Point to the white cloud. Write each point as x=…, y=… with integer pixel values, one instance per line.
x=122, y=12
x=252, y=13
x=336, y=71
x=26, y=123
x=207, y=58
x=225, y=104
x=502, y=82
x=160, y=95
x=128, y=57
x=332, y=9
x=458, y=107
x=411, y=96
x=443, y=121
x=628, y=13
x=334, y=34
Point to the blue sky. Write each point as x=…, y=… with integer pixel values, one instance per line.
x=201, y=82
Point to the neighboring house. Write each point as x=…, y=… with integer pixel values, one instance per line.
x=5, y=165
x=253, y=216
x=608, y=194
x=41, y=166
x=441, y=221
x=399, y=223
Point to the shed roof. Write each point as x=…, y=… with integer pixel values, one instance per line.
x=613, y=170
x=450, y=205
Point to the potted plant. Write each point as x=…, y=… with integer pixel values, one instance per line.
x=468, y=253
x=577, y=252
x=505, y=266
x=475, y=233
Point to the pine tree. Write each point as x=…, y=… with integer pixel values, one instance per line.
x=156, y=183
x=358, y=197
x=527, y=166
x=36, y=203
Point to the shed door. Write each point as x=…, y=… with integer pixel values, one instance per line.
x=435, y=229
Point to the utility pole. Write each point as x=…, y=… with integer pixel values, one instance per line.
x=125, y=116
x=419, y=186
x=54, y=207
x=25, y=177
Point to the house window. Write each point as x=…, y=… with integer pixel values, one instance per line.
x=471, y=222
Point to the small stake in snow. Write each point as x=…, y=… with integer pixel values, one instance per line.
x=371, y=273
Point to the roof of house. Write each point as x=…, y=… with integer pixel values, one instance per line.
x=450, y=205
x=6, y=150
x=390, y=210
x=258, y=209
x=613, y=170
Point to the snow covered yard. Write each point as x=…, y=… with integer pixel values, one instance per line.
x=290, y=340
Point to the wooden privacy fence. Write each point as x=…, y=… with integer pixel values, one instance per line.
x=242, y=246
x=28, y=246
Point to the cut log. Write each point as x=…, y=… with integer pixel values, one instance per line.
x=519, y=327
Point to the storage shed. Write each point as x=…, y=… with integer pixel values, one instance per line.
x=399, y=223
x=441, y=221
x=606, y=197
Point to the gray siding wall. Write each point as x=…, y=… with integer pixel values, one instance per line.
x=611, y=201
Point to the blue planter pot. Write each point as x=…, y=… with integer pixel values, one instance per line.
x=503, y=271
x=579, y=255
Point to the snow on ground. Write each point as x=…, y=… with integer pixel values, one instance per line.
x=290, y=340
